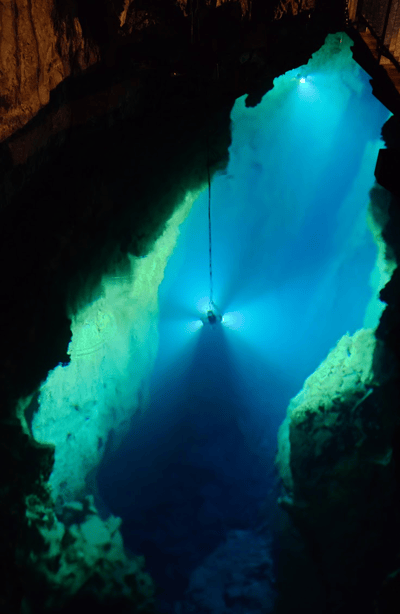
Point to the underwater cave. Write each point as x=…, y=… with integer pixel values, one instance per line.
x=170, y=422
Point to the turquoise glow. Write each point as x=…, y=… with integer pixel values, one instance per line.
x=292, y=250
x=292, y=256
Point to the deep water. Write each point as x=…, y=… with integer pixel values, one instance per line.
x=292, y=259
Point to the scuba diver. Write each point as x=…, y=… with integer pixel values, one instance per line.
x=212, y=316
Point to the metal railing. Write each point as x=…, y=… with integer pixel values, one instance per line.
x=382, y=18
x=376, y=13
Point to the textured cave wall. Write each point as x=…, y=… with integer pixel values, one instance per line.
x=339, y=461
x=37, y=52
x=67, y=172
x=98, y=202
x=78, y=563
x=67, y=65
x=45, y=43
x=103, y=121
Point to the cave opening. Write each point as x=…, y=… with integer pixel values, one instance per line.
x=296, y=266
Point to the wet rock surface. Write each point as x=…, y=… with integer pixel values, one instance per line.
x=338, y=462
x=80, y=564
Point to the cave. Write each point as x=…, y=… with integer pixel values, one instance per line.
x=200, y=319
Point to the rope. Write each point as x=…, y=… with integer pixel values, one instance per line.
x=211, y=304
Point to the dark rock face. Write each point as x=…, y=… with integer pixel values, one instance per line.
x=340, y=483
x=35, y=57
x=338, y=459
x=236, y=577
x=88, y=225
x=93, y=68
x=79, y=562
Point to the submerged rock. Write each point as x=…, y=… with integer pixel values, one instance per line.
x=336, y=462
x=79, y=566
x=237, y=577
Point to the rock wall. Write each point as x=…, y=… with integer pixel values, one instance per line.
x=79, y=562
x=76, y=226
x=338, y=460
x=237, y=576
x=36, y=54
x=112, y=351
x=45, y=43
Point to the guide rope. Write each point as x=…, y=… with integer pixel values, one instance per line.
x=211, y=302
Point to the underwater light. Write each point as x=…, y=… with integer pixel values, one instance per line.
x=233, y=320
x=302, y=80
x=194, y=325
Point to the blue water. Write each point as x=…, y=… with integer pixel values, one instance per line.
x=292, y=257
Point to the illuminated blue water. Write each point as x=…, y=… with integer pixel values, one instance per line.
x=292, y=258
